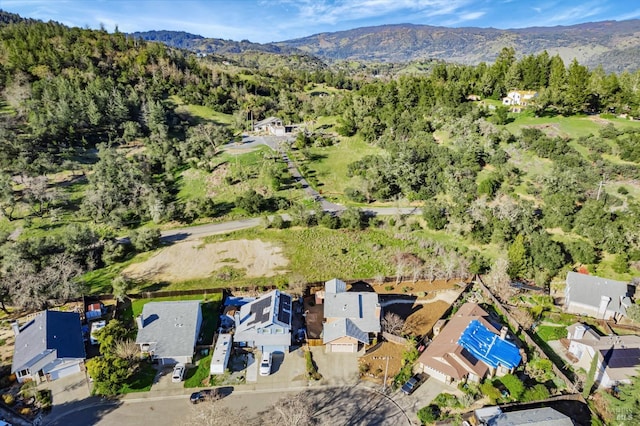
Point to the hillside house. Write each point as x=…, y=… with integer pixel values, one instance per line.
x=265, y=323
x=48, y=347
x=519, y=99
x=469, y=348
x=350, y=317
x=618, y=356
x=168, y=331
x=596, y=297
x=270, y=125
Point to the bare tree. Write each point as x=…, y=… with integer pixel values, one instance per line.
x=499, y=281
x=127, y=349
x=290, y=411
x=392, y=323
x=297, y=285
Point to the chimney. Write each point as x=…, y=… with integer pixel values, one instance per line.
x=16, y=327
x=579, y=331
x=503, y=333
x=378, y=311
x=140, y=322
x=236, y=317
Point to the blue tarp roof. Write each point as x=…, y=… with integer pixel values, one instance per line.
x=488, y=346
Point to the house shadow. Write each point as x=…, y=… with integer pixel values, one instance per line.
x=362, y=286
x=89, y=411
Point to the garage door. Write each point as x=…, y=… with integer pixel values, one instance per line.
x=343, y=347
x=64, y=371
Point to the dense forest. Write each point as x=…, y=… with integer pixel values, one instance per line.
x=92, y=145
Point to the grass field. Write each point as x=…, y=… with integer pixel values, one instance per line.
x=141, y=381
x=195, y=376
x=201, y=112
x=331, y=165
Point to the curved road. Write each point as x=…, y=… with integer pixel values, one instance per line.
x=195, y=232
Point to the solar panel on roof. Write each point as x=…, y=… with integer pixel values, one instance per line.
x=622, y=358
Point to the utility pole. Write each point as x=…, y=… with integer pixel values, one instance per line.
x=386, y=369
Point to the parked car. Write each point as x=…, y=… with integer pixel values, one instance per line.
x=205, y=394
x=265, y=364
x=413, y=383
x=178, y=373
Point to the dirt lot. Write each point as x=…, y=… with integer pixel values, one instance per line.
x=419, y=318
x=377, y=361
x=193, y=260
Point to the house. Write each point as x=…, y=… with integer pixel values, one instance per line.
x=618, y=356
x=270, y=125
x=596, y=297
x=168, y=331
x=469, y=348
x=48, y=347
x=350, y=317
x=520, y=97
x=544, y=416
x=265, y=323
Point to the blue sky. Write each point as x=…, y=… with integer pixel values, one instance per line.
x=275, y=20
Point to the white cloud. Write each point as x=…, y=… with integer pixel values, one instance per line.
x=629, y=15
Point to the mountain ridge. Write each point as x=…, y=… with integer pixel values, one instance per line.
x=613, y=44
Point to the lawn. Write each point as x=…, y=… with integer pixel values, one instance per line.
x=331, y=165
x=550, y=332
x=201, y=112
x=141, y=381
x=195, y=376
x=99, y=281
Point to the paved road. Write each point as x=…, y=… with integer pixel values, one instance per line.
x=275, y=143
x=345, y=405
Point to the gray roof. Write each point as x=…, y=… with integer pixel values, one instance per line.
x=545, y=416
x=271, y=308
x=335, y=286
x=50, y=335
x=170, y=328
x=360, y=307
x=588, y=290
x=267, y=120
x=343, y=327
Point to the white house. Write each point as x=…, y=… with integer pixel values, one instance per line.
x=519, y=97
x=271, y=125
x=168, y=331
x=618, y=356
x=265, y=323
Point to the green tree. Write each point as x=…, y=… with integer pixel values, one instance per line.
x=621, y=263
x=517, y=256
x=145, y=239
x=536, y=393
x=577, y=87
x=591, y=377
x=110, y=371
x=514, y=385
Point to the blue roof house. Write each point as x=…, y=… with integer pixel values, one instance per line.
x=48, y=347
x=489, y=348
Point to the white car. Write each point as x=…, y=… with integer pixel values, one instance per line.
x=265, y=364
x=178, y=373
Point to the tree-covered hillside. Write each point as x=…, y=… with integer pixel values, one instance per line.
x=105, y=134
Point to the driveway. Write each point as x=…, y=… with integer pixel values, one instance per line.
x=421, y=397
x=336, y=368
